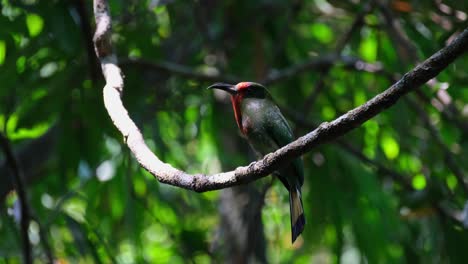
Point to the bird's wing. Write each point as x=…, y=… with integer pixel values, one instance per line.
x=282, y=135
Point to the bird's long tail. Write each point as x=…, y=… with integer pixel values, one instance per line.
x=297, y=212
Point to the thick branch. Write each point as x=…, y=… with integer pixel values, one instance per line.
x=165, y=173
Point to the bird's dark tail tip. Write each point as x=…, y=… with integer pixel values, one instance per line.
x=298, y=227
x=297, y=213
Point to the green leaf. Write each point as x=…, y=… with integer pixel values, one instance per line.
x=2, y=51
x=419, y=182
x=410, y=163
x=76, y=209
x=164, y=22
x=33, y=132
x=451, y=182
x=2, y=123
x=370, y=138
x=359, y=97
x=35, y=24
x=322, y=32
x=368, y=47
x=20, y=64
x=328, y=113
x=390, y=147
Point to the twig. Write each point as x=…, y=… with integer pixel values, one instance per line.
x=450, y=113
x=397, y=177
x=56, y=211
x=104, y=243
x=407, y=49
x=87, y=33
x=321, y=63
x=326, y=132
x=81, y=238
x=448, y=155
x=273, y=77
x=24, y=206
x=178, y=69
x=320, y=84
x=32, y=158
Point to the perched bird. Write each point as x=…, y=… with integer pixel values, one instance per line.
x=266, y=130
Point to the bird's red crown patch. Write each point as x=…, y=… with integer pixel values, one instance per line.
x=243, y=85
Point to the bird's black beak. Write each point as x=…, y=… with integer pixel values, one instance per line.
x=225, y=87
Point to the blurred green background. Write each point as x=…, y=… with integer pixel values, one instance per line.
x=391, y=191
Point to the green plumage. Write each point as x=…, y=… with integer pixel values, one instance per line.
x=267, y=130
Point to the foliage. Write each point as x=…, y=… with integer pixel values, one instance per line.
x=92, y=203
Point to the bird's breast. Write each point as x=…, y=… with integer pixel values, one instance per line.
x=254, y=124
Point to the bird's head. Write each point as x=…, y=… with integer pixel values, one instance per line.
x=242, y=90
x=239, y=92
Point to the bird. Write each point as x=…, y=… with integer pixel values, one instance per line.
x=260, y=121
